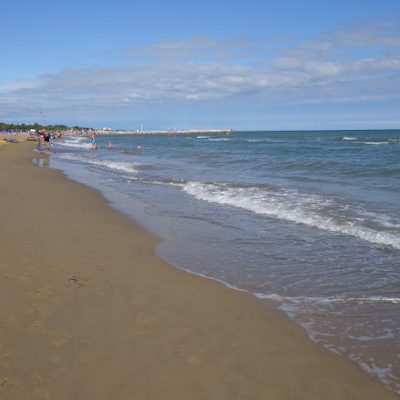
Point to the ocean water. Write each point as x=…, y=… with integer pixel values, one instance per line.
x=308, y=220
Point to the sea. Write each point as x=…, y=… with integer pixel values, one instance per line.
x=308, y=221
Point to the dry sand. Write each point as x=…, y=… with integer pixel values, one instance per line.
x=87, y=311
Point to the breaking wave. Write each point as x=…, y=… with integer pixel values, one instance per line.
x=115, y=165
x=293, y=206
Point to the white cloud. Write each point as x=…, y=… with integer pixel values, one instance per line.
x=323, y=69
x=194, y=48
x=386, y=33
x=19, y=85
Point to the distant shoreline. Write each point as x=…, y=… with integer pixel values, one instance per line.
x=155, y=132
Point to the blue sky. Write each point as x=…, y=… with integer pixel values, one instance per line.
x=210, y=64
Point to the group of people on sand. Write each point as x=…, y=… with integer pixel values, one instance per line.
x=43, y=140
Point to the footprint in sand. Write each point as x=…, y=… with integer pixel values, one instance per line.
x=4, y=382
x=78, y=281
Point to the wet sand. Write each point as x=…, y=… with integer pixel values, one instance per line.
x=87, y=311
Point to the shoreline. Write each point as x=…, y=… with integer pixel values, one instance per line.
x=89, y=311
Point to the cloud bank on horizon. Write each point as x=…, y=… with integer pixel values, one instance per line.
x=348, y=78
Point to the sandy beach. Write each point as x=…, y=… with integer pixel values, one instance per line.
x=88, y=311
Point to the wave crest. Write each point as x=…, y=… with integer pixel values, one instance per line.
x=290, y=205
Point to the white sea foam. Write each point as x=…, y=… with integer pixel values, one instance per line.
x=348, y=138
x=115, y=165
x=374, y=143
x=385, y=374
x=76, y=141
x=289, y=205
x=388, y=334
x=296, y=307
x=327, y=300
x=258, y=140
x=74, y=138
x=376, y=299
x=211, y=138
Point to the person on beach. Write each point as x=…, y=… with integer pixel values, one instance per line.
x=47, y=141
x=39, y=138
x=93, y=140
